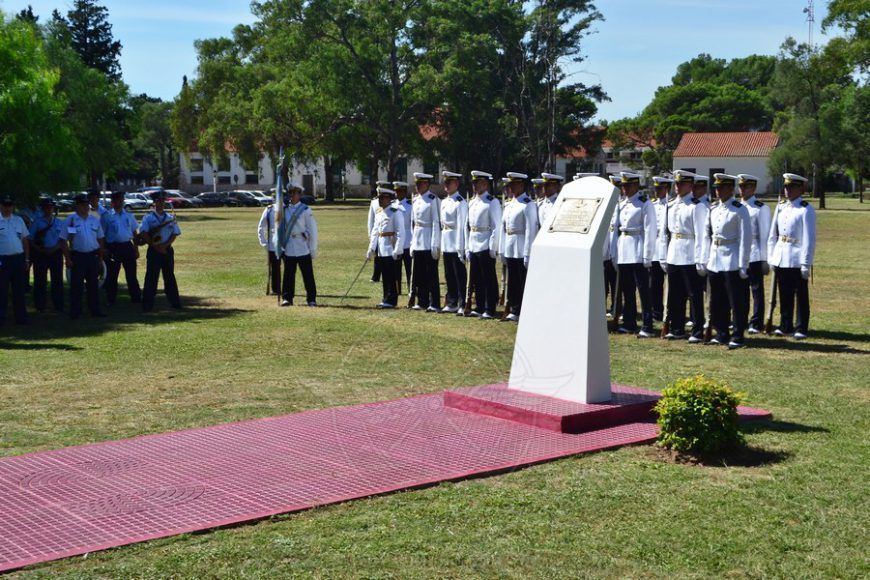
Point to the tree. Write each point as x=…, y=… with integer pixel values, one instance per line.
x=96, y=112
x=36, y=152
x=27, y=15
x=807, y=88
x=853, y=17
x=91, y=37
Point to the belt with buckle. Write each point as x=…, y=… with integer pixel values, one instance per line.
x=387, y=234
x=515, y=232
x=789, y=240
x=423, y=225
x=723, y=242
x=679, y=236
x=480, y=229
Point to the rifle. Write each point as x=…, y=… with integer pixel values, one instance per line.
x=470, y=290
x=666, y=322
x=768, y=324
x=616, y=312
x=507, y=301
x=708, y=328
x=268, y=258
x=503, y=290
x=412, y=291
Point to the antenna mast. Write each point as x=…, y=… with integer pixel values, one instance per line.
x=811, y=20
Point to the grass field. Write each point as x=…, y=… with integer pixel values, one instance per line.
x=794, y=506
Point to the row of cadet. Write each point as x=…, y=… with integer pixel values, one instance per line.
x=672, y=251
x=90, y=246
x=677, y=239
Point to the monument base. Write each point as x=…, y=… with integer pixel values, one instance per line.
x=627, y=405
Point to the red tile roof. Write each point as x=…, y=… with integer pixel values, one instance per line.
x=758, y=144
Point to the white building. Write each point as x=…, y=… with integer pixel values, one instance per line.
x=732, y=153
x=198, y=174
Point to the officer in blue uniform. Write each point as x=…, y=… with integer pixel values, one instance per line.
x=120, y=228
x=45, y=250
x=159, y=230
x=14, y=260
x=83, y=248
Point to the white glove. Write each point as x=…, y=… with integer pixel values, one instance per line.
x=647, y=264
x=664, y=266
x=370, y=254
x=765, y=268
x=805, y=272
x=526, y=262
x=436, y=252
x=743, y=274
x=702, y=269
x=492, y=254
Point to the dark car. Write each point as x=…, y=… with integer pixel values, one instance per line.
x=244, y=198
x=216, y=199
x=181, y=199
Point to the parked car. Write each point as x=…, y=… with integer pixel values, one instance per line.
x=65, y=202
x=137, y=201
x=245, y=198
x=180, y=199
x=216, y=199
x=265, y=198
x=305, y=198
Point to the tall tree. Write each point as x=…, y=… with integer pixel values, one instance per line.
x=853, y=17
x=91, y=37
x=807, y=87
x=36, y=151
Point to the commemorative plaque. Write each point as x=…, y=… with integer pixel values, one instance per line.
x=575, y=215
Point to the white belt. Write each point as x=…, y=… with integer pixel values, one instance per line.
x=679, y=236
x=724, y=242
x=422, y=225
x=481, y=229
x=789, y=240
x=515, y=232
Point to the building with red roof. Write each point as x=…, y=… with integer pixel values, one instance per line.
x=733, y=153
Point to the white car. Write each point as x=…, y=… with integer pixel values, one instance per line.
x=261, y=196
x=137, y=201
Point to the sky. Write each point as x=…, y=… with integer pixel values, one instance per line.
x=635, y=50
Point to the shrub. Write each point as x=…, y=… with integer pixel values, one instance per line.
x=698, y=415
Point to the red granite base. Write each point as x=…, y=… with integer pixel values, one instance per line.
x=628, y=405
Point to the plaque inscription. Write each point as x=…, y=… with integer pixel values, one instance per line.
x=575, y=215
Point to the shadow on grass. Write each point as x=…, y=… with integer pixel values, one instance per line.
x=807, y=346
x=839, y=335
x=36, y=346
x=192, y=217
x=746, y=457
x=57, y=325
x=780, y=427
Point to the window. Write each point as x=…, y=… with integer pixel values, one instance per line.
x=251, y=178
x=195, y=165
x=224, y=179
x=402, y=170
x=224, y=165
x=715, y=170
x=689, y=169
x=196, y=180
x=610, y=156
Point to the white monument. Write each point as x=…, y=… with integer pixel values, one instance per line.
x=561, y=348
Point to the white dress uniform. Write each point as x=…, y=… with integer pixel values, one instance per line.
x=686, y=260
x=299, y=251
x=759, y=218
x=264, y=233
x=454, y=222
x=636, y=231
x=406, y=209
x=791, y=247
x=482, y=241
x=519, y=228
x=387, y=240
x=426, y=249
x=660, y=253
x=729, y=238
x=545, y=210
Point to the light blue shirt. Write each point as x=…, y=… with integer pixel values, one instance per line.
x=152, y=221
x=12, y=232
x=118, y=227
x=83, y=233
x=50, y=225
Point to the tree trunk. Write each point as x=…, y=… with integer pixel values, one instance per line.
x=860, y=183
x=329, y=169
x=820, y=183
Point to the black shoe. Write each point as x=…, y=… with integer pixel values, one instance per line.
x=98, y=315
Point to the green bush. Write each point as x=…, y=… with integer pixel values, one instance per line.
x=698, y=415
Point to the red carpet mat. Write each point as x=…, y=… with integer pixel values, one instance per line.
x=82, y=499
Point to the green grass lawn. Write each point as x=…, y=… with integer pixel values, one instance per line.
x=791, y=508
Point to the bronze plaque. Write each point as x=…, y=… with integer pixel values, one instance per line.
x=575, y=215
